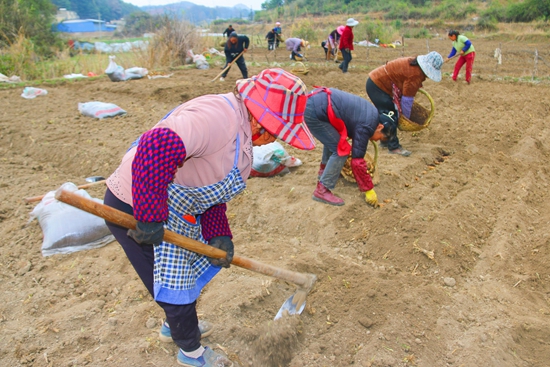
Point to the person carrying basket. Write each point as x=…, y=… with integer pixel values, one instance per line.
x=393, y=86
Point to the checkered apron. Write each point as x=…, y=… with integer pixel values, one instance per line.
x=179, y=274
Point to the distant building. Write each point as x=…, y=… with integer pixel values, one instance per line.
x=64, y=14
x=84, y=26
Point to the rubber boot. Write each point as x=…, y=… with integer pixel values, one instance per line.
x=323, y=195
x=321, y=170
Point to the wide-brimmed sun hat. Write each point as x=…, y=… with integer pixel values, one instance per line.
x=277, y=100
x=352, y=22
x=431, y=65
x=340, y=29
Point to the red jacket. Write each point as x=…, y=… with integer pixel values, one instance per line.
x=346, y=41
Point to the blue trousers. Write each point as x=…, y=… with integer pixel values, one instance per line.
x=183, y=320
x=347, y=59
x=329, y=137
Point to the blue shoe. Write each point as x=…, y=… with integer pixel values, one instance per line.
x=208, y=359
x=165, y=335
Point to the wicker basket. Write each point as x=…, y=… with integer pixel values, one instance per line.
x=420, y=116
x=300, y=68
x=372, y=164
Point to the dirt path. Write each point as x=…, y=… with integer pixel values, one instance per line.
x=474, y=191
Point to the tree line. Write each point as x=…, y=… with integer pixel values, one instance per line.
x=106, y=10
x=485, y=10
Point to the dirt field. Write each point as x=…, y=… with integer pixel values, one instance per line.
x=474, y=191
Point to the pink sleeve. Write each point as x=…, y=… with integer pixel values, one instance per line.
x=214, y=222
x=159, y=154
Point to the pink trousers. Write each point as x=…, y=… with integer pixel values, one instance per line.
x=469, y=61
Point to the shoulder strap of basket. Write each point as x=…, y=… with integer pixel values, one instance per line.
x=343, y=148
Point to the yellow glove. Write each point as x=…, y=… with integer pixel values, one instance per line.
x=371, y=198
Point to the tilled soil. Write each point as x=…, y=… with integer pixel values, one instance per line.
x=474, y=191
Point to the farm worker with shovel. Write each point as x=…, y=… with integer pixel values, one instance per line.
x=180, y=175
x=295, y=46
x=466, y=54
x=333, y=116
x=234, y=48
x=346, y=44
x=392, y=87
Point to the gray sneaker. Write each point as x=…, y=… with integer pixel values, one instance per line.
x=401, y=151
x=206, y=328
x=208, y=359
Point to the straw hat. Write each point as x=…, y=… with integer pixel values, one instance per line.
x=277, y=100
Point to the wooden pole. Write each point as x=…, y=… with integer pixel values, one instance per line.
x=536, y=62
x=228, y=66
x=85, y=186
x=122, y=219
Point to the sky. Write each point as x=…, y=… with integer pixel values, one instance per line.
x=254, y=4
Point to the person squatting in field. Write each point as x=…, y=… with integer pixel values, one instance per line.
x=295, y=46
x=180, y=174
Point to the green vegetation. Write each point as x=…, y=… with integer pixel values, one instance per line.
x=30, y=19
x=488, y=11
x=97, y=9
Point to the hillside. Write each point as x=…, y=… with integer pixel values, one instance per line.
x=198, y=13
x=97, y=9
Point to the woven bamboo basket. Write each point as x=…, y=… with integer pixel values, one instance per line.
x=420, y=116
x=372, y=164
x=300, y=68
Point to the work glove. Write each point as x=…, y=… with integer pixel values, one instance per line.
x=371, y=198
x=223, y=243
x=147, y=233
x=359, y=169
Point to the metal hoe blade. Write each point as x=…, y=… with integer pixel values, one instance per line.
x=290, y=308
x=95, y=179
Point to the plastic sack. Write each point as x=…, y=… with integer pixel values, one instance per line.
x=74, y=76
x=199, y=60
x=67, y=229
x=272, y=159
x=117, y=73
x=100, y=109
x=31, y=92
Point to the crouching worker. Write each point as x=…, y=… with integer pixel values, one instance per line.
x=180, y=174
x=295, y=46
x=333, y=116
x=234, y=47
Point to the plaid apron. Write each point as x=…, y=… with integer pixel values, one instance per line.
x=179, y=275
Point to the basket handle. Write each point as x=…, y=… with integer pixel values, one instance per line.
x=432, y=109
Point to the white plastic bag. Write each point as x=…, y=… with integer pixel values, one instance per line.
x=272, y=159
x=67, y=229
x=199, y=60
x=31, y=92
x=117, y=73
x=100, y=109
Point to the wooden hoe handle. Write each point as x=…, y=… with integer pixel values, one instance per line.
x=127, y=221
x=85, y=186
